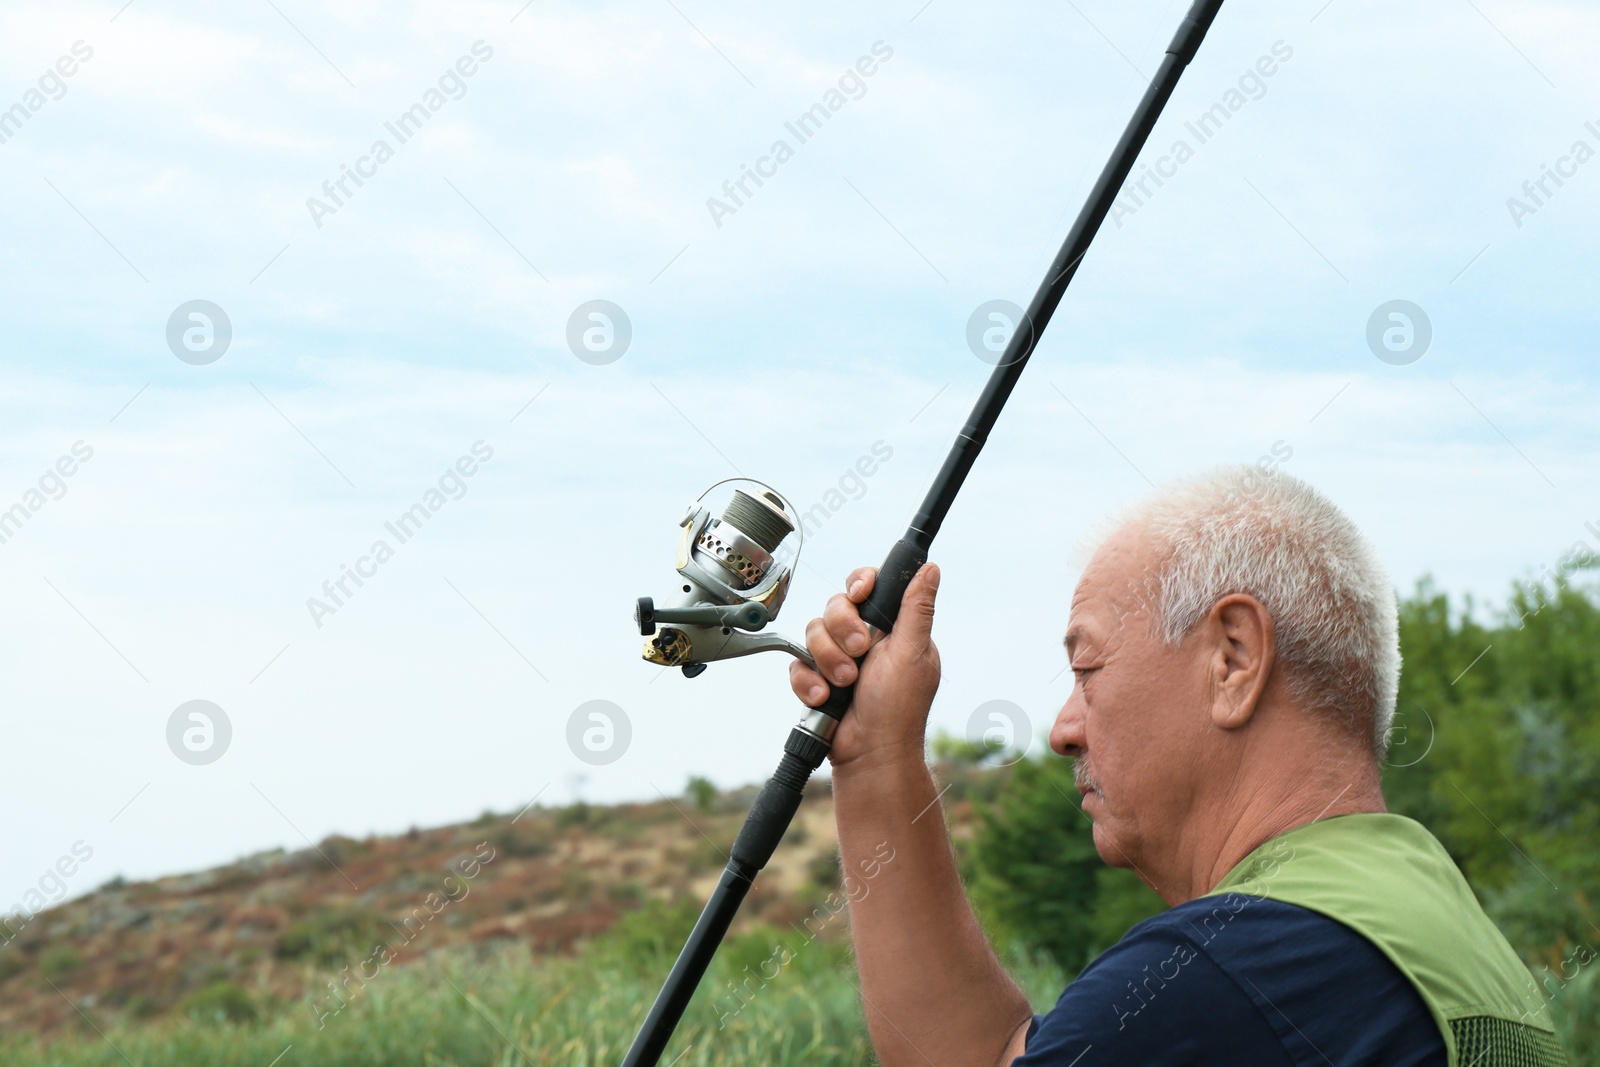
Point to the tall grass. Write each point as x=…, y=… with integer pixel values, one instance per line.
x=511, y=1008
x=1576, y=1009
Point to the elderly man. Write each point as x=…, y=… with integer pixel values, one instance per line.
x=1235, y=659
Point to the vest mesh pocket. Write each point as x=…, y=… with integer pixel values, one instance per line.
x=1485, y=1041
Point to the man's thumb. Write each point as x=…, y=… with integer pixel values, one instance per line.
x=916, y=607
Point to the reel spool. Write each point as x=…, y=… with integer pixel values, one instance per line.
x=736, y=573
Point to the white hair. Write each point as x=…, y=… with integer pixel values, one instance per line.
x=1240, y=529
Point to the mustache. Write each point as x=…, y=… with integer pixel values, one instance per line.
x=1082, y=776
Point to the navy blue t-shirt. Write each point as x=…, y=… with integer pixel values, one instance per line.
x=1236, y=979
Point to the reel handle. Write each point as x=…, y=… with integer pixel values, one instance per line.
x=880, y=611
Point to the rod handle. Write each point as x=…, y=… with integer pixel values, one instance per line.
x=777, y=802
x=881, y=609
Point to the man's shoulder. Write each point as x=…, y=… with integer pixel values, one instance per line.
x=1206, y=921
x=1239, y=979
x=1389, y=878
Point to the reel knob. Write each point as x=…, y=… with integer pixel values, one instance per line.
x=644, y=613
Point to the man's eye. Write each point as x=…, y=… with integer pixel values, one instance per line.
x=1083, y=672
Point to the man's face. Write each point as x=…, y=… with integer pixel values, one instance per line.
x=1136, y=718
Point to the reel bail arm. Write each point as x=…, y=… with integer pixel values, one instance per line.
x=734, y=583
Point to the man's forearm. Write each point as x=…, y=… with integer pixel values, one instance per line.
x=934, y=991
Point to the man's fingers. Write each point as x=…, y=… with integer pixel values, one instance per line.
x=858, y=586
x=807, y=684
x=915, y=624
x=845, y=626
x=833, y=662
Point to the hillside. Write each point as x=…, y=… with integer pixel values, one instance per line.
x=276, y=928
x=541, y=936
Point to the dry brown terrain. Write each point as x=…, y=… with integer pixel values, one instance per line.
x=280, y=925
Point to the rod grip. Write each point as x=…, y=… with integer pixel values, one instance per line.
x=777, y=802
x=881, y=609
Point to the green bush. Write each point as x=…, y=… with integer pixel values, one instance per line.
x=702, y=791
x=529, y=839
x=578, y=813
x=332, y=938
x=653, y=933
x=58, y=961
x=1037, y=869
x=948, y=748
x=145, y=1006
x=628, y=894
x=1502, y=750
x=761, y=949
x=1576, y=1008
x=1121, y=902
x=824, y=870
x=221, y=1002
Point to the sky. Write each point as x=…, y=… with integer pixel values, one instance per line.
x=387, y=338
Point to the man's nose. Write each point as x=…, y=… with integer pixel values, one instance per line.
x=1067, y=736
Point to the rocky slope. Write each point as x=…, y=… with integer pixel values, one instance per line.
x=277, y=927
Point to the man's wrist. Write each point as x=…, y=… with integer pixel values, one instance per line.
x=884, y=761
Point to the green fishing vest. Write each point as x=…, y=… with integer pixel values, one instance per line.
x=1387, y=878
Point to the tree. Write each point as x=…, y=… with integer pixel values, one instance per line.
x=701, y=791
x=1033, y=851
x=1512, y=744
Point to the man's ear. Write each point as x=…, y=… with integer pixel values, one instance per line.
x=1240, y=650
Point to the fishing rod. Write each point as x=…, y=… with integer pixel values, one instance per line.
x=736, y=570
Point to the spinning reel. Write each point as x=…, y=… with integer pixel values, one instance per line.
x=734, y=580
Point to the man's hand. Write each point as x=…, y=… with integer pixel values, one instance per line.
x=889, y=716
x=946, y=993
